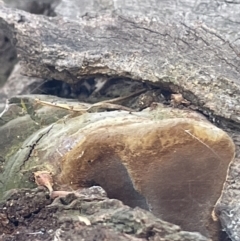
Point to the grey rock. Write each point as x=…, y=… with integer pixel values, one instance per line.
x=219, y=16
x=19, y=84
x=45, y=7
x=205, y=71
x=7, y=57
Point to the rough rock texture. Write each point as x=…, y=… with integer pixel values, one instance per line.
x=228, y=209
x=182, y=58
x=220, y=16
x=45, y=7
x=7, y=57
x=19, y=84
x=92, y=217
x=172, y=52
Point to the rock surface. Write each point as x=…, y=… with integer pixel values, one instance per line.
x=92, y=217
x=218, y=16
x=19, y=84
x=8, y=55
x=173, y=53
x=45, y=7
x=191, y=60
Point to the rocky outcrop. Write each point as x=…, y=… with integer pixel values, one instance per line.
x=193, y=61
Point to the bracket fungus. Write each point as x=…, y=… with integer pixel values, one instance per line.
x=175, y=168
x=169, y=161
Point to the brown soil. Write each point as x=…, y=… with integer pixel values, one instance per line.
x=27, y=215
x=24, y=216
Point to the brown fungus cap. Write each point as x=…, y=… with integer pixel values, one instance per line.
x=175, y=167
